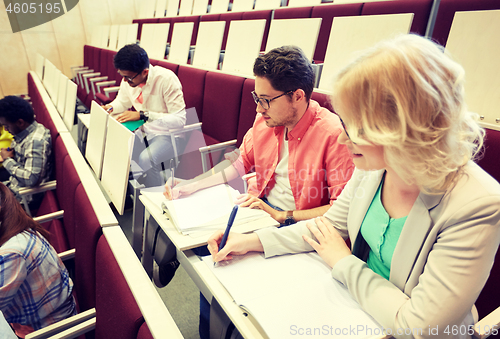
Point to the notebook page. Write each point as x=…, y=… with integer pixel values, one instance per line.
x=290, y=293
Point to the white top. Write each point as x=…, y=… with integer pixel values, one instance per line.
x=162, y=98
x=281, y=194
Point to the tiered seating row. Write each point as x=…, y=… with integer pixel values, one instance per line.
x=107, y=274
x=420, y=8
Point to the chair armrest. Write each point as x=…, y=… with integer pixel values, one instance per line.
x=67, y=255
x=48, y=217
x=249, y=176
x=96, y=79
x=216, y=147
x=187, y=128
x=103, y=84
x=48, y=186
x=90, y=75
x=87, y=318
x=113, y=89
x=488, y=325
x=75, y=69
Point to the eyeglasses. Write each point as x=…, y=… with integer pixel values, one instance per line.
x=345, y=129
x=129, y=79
x=266, y=103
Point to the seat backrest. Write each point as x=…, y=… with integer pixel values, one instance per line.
x=490, y=161
x=489, y=298
x=247, y=110
x=221, y=105
x=165, y=64
x=293, y=12
x=117, y=312
x=327, y=14
x=193, y=84
x=446, y=13
x=420, y=8
x=256, y=15
x=87, y=233
x=228, y=17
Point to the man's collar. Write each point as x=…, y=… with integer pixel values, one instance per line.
x=301, y=127
x=21, y=135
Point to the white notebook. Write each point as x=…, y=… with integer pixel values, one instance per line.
x=292, y=295
x=206, y=210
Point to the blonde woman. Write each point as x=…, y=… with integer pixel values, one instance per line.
x=423, y=218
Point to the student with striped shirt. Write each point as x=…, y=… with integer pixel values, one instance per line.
x=35, y=287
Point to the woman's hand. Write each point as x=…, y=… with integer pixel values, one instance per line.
x=178, y=188
x=237, y=244
x=330, y=245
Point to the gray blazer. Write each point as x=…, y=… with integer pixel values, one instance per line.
x=441, y=261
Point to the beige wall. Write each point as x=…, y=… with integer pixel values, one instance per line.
x=60, y=40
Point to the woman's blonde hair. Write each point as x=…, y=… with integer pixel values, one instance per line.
x=407, y=95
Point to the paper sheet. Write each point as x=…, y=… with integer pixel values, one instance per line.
x=294, y=294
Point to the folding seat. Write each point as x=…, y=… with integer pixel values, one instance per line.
x=140, y=22
x=446, y=13
x=327, y=14
x=248, y=111
x=228, y=17
x=420, y=8
x=255, y=15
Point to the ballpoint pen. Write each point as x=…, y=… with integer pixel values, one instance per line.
x=228, y=228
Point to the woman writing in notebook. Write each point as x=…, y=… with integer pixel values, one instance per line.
x=422, y=218
x=35, y=287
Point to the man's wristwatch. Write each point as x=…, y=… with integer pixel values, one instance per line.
x=290, y=220
x=144, y=115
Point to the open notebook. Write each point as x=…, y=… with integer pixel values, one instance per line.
x=293, y=295
x=206, y=210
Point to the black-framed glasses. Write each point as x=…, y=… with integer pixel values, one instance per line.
x=266, y=103
x=345, y=129
x=129, y=79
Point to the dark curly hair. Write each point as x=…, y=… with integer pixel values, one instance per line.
x=13, y=108
x=131, y=58
x=287, y=69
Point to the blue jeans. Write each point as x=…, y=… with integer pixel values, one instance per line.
x=150, y=154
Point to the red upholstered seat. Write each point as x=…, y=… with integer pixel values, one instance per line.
x=293, y=12
x=323, y=100
x=490, y=161
x=58, y=238
x=193, y=84
x=87, y=233
x=446, y=12
x=144, y=332
x=67, y=182
x=165, y=64
x=247, y=110
x=221, y=105
x=117, y=313
x=327, y=14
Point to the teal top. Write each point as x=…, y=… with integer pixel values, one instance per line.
x=381, y=232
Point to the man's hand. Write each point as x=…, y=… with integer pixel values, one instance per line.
x=248, y=200
x=108, y=108
x=173, y=190
x=330, y=245
x=128, y=116
x=6, y=153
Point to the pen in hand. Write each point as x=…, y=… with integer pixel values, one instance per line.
x=228, y=228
